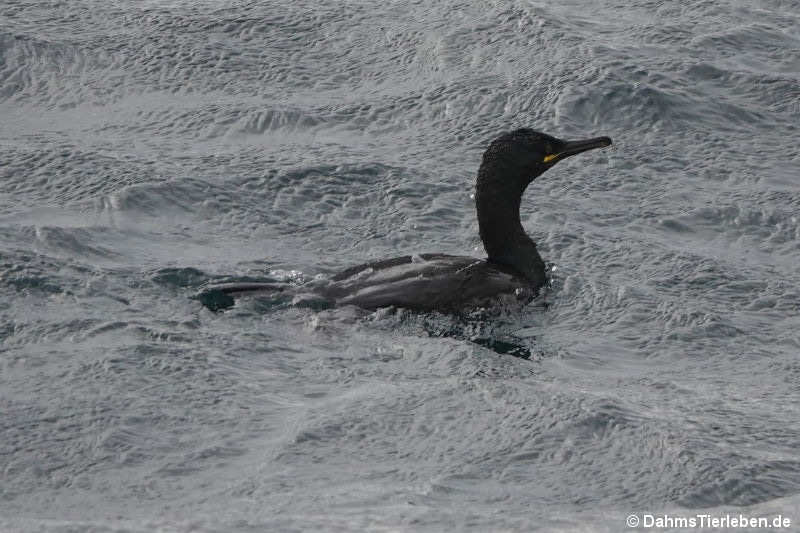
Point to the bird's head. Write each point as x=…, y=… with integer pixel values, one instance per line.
x=523, y=155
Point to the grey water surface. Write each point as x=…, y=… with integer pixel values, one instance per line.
x=148, y=148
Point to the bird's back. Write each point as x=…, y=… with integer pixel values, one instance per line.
x=426, y=282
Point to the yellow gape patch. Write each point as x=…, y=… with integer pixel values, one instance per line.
x=550, y=157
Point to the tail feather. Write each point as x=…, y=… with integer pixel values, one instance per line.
x=222, y=296
x=249, y=287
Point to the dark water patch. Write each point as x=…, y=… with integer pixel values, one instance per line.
x=500, y=343
x=215, y=300
x=501, y=330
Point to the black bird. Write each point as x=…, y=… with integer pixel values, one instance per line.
x=447, y=282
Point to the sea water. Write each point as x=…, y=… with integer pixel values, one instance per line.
x=149, y=148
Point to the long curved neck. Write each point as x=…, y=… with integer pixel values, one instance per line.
x=497, y=198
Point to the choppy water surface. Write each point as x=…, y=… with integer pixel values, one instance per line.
x=149, y=147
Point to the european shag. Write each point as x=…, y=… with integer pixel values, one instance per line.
x=448, y=282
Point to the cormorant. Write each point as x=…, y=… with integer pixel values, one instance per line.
x=447, y=282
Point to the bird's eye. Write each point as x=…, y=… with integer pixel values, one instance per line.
x=549, y=148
